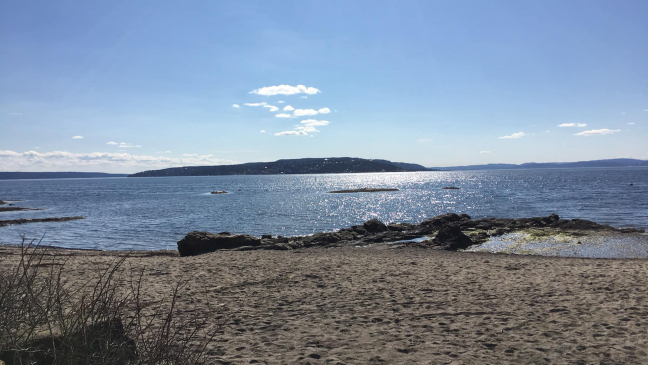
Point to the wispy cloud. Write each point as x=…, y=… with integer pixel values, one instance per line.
x=128, y=145
x=514, y=136
x=288, y=108
x=303, y=112
x=256, y=104
x=324, y=111
x=235, y=106
x=262, y=131
x=281, y=102
x=303, y=97
x=77, y=137
x=16, y=114
x=598, y=132
x=579, y=125
x=97, y=161
x=285, y=90
x=484, y=151
x=272, y=108
x=283, y=115
x=631, y=123
x=305, y=127
x=111, y=143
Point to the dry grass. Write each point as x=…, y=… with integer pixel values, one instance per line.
x=105, y=320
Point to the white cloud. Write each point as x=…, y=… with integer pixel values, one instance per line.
x=97, y=161
x=128, y=145
x=314, y=122
x=283, y=115
x=579, y=125
x=17, y=114
x=235, y=106
x=272, y=108
x=285, y=90
x=291, y=133
x=256, y=104
x=281, y=102
x=324, y=111
x=514, y=136
x=112, y=143
x=598, y=132
x=302, y=112
x=288, y=108
x=631, y=123
x=77, y=137
x=484, y=151
x=303, y=97
x=262, y=131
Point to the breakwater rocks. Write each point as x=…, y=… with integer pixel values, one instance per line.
x=448, y=232
x=362, y=190
x=37, y=220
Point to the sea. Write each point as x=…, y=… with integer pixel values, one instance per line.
x=154, y=213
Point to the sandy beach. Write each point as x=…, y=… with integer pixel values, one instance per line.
x=379, y=305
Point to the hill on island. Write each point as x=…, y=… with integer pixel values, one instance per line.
x=334, y=165
x=616, y=162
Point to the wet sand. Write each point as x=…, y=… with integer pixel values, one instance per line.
x=379, y=305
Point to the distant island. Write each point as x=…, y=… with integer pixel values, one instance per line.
x=55, y=175
x=335, y=165
x=617, y=162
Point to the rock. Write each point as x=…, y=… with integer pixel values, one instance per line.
x=441, y=220
x=2, y=203
x=464, y=217
x=219, y=192
x=375, y=226
x=266, y=236
x=451, y=238
x=37, y=220
x=450, y=188
x=197, y=242
x=400, y=227
x=362, y=190
x=107, y=339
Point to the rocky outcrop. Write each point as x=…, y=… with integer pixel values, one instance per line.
x=452, y=238
x=197, y=242
x=375, y=226
x=451, y=231
x=17, y=209
x=37, y=220
x=219, y=192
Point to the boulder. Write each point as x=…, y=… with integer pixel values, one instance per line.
x=451, y=238
x=197, y=242
x=375, y=226
x=266, y=236
x=105, y=339
x=441, y=220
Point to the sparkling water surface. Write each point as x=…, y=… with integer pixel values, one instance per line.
x=154, y=213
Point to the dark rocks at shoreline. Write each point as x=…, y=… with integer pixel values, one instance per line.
x=362, y=190
x=2, y=203
x=219, y=192
x=197, y=242
x=37, y=220
x=451, y=232
x=450, y=188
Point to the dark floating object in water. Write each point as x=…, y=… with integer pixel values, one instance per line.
x=450, y=188
x=361, y=190
x=631, y=184
x=37, y=220
x=219, y=192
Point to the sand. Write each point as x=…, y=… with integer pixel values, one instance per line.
x=378, y=305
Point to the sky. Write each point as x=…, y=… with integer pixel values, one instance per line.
x=123, y=86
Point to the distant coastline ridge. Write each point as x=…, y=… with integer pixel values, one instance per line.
x=616, y=162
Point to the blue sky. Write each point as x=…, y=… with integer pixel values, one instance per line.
x=432, y=82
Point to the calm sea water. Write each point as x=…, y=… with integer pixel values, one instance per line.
x=154, y=213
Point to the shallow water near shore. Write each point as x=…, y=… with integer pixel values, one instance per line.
x=154, y=213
